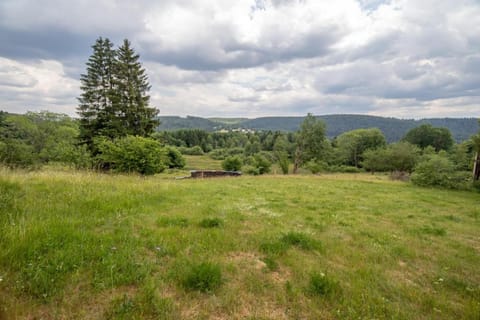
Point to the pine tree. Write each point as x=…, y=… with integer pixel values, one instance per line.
x=95, y=102
x=131, y=94
x=114, y=99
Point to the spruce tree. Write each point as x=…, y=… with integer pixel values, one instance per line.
x=114, y=99
x=95, y=102
x=131, y=94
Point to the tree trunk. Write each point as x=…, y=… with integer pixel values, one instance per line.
x=476, y=167
x=297, y=160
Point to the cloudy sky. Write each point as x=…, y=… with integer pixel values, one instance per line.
x=399, y=58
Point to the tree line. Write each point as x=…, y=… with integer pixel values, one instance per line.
x=116, y=132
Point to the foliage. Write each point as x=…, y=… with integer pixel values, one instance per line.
x=352, y=144
x=232, y=163
x=211, y=223
x=193, y=151
x=393, y=129
x=33, y=139
x=437, y=170
x=310, y=141
x=401, y=156
x=114, y=99
x=427, y=135
x=204, y=277
x=175, y=158
x=322, y=285
x=315, y=166
x=132, y=154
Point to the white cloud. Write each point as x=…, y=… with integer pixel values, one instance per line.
x=404, y=58
x=38, y=85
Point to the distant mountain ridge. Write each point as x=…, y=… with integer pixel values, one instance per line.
x=394, y=129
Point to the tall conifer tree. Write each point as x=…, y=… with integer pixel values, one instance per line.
x=132, y=99
x=95, y=102
x=114, y=100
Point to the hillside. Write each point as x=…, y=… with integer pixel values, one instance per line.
x=394, y=129
x=273, y=247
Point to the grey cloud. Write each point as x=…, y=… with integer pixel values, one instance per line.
x=230, y=54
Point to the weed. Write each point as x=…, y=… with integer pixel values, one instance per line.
x=204, y=277
x=432, y=230
x=124, y=307
x=274, y=248
x=172, y=222
x=322, y=285
x=300, y=240
x=270, y=262
x=211, y=223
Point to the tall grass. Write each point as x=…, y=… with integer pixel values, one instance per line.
x=328, y=247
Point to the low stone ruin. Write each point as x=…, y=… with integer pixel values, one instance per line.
x=195, y=174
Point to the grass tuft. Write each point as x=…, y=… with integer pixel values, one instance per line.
x=301, y=240
x=322, y=285
x=204, y=277
x=211, y=223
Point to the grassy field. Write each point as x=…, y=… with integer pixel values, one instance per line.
x=92, y=246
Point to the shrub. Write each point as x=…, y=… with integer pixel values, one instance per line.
x=262, y=163
x=315, y=166
x=232, y=163
x=284, y=163
x=248, y=169
x=436, y=170
x=18, y=154
x=175, y=158
x=257, y=164
x=132, y=154
x=193, y=151
x=204, y=277
x=211, y=223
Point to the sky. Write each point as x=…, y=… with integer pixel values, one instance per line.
x=253, y=58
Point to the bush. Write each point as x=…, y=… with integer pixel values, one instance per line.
x=257, y=164
x=284, y=163
x=193, y=151
x=18, y=154
x=438, y=171
x=204, y=277
x=232, y=163
x=175, y=158
x=132, y=154
x=315, y=166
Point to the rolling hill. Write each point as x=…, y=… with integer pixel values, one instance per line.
x=394, y=129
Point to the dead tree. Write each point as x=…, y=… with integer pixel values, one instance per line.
x=476, y=167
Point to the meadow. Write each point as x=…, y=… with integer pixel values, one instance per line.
x=83, y=245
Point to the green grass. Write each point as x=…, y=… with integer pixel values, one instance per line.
x=314, y=247
x=202, y=163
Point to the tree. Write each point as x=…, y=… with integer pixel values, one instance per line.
x=232, y=163
x=401, y=156
x=95, y=102
x=476, y=165
x=352, y=144
x=280, y=151
x=131, y=95
x=427, y=135
x=114, y=99
x=310, y=141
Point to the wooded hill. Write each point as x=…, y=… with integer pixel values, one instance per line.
x=393, y=129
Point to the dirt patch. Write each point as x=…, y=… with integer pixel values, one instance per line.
x=247, y=259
